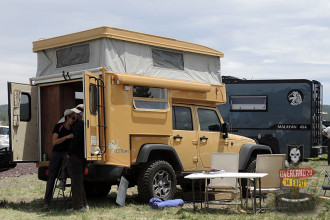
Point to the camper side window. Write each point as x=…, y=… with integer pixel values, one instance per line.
x=25, y=107
x=145, y=98
x=72, y=55
x=167, y=59
x=248, y=103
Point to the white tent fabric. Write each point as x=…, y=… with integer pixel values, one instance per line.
x=133, y=58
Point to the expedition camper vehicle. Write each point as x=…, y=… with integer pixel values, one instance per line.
x=150, y=109
x=282, y=114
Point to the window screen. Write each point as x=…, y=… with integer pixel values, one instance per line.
x=181, y=117
x=248, y=103
x=149, y=92
x=72, y=55
x=150, y=97
x=25, y=107
x=167, y=59
x=208, y=120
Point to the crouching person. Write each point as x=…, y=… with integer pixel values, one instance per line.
x=76, y=166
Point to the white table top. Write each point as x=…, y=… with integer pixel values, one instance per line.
x=224, y=175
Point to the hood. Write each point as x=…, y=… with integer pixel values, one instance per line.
x=240, y=138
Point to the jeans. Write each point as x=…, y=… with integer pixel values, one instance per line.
x=54, y=166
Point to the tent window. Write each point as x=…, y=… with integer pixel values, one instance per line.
x=150, y=98
x=248, y=103
x=167, y=59
x=25, y=107
x=72, y=55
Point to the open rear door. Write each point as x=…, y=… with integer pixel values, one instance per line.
x=23, y=122
x=94, y=116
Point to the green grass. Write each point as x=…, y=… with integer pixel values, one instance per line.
x=22, y=198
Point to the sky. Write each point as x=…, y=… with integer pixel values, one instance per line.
x=260, y=39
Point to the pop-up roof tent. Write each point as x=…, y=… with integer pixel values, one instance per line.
x=123, y=51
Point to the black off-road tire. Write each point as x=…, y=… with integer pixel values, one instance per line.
x=156, y=180
x=251, y=168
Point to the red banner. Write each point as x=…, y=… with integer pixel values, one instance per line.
x=296, y=173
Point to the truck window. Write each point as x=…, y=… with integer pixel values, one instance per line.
x=167, y=59
x=150, y=98
x=248, y=103
x=72, y=55
x=25, y=107
x=208, y=120
x=181, y=117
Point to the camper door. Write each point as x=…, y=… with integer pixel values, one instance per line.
x=23, y=121
x=94, y=116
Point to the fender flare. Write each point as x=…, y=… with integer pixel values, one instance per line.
x=148, y=148
x=246, y=152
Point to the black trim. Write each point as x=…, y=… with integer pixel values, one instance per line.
x=148, y=148
x=9, y=120
x=265, y=81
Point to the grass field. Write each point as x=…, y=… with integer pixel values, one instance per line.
x=21, y=198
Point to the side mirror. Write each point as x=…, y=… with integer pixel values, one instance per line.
x=225, y=127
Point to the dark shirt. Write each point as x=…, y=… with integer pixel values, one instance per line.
x=62, y=131
x=77, y=144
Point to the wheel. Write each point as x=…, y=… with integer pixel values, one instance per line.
x=97, y=189
x=156, y=180
x=251, y=168
x=302, y=202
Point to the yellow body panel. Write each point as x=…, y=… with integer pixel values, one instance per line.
x=128, y=128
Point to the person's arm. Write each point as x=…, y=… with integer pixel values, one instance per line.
x=56, y=140
x=325, y=133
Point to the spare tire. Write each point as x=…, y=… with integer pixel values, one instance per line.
x=303, y=202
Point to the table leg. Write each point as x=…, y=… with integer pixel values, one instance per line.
x=259, y=193
x=254, y=195
x=193, y=191
x=200, y=193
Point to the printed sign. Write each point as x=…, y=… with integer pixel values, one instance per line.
x=295, y=182
x=295, y=154
x=295, y=97
x=296, y=173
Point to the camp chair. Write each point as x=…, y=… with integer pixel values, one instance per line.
x=326, y=183
x=271, y=164
x=229, y=163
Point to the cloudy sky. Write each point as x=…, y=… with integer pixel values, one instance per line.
x=261, y=39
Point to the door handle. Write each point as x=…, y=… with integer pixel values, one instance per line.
x=203, y=138
x=177, y=137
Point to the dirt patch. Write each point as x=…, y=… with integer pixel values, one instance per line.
x=20, y=170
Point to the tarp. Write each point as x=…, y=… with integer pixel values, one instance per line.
x=127, y=57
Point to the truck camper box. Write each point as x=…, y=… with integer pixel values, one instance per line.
x=99, y=68
x=282, y=113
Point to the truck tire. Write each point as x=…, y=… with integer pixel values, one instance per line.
x=156, y=180
x=96, y=189
x=251, y=168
